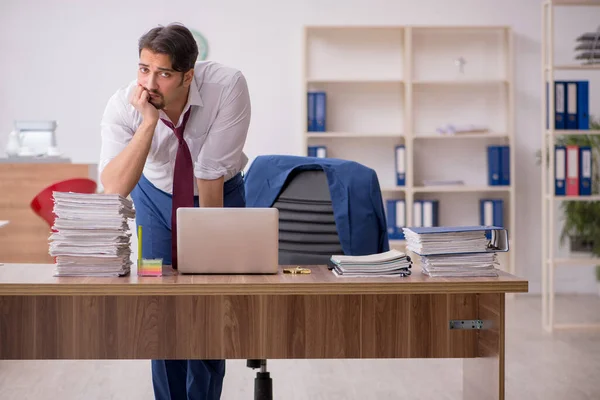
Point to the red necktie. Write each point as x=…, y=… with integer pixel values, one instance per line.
x=183, y=181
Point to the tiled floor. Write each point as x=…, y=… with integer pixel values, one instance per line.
x=564, y=365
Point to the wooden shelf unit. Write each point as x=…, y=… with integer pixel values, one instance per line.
x=549, y=261
x=395, y=85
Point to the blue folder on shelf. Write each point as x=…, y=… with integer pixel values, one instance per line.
x=571, y=108
x=560, y=170
x=559, y=113
x=317, y=151
x=491, y=213
x=583, y=112
x=320, y=111
x=494, y=159
x=396, y=218
x=585, y=170
x=310, y=112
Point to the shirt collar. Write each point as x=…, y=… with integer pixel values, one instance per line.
x=194, y=98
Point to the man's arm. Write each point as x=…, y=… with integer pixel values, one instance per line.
x=221, y=154
x=123, y=171
x=210, y=192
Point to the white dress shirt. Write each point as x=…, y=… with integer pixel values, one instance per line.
x=215, y=132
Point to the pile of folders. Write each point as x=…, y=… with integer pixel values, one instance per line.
x=460, y=251
x=390, y=263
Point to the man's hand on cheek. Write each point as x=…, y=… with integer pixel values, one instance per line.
x=140, y=100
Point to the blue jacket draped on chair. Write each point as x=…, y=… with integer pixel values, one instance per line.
x=355, y=194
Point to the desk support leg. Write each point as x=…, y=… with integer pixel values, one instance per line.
x=483, y=377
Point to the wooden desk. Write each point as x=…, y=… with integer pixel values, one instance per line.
x=25, y=239
x=241, y=317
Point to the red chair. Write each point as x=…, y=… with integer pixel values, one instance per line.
x=43, y=203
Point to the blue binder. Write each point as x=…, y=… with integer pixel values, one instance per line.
x=491, y=212
x=396, y=218
x=571, y=99
x=560, y=170
x=320, y=111
x=486, y=212
x=585, y=170
x=494, y=171
x=583, y=97
x=429, y=210
x=499, y=213
x=310, y=112
x=317, y=151
x=417, y=219
x=504, y=165
x=390, y=214
x=400, y=165
x=559, y=112
x=560, y=100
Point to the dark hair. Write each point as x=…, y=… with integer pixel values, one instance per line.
x=174, y=40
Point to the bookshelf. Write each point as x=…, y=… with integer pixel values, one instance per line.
x=395, y=85
x=550, y=201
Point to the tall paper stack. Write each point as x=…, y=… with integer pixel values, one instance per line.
x=457, y=251
x=91, y=234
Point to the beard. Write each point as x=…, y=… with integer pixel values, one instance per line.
x=157, y=102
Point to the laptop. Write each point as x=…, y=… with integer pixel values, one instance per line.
x=227, y=240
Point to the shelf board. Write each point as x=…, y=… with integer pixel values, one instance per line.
x=397, y=242
x=575, y=67
x=354, y=135
x=580, y=326
x=355, y=80
x=561, y=132
x=594, y=197
x=458, y=28
x=461, y=136
x=574, y=2
x=576, y=261
x=460, y=189
x=355, y=27
x=393, y=189
x=458, y=82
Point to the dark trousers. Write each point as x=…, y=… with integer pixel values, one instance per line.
x=178, y=379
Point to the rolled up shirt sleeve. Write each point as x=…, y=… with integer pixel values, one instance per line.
x=222, y=152
x=115, y=129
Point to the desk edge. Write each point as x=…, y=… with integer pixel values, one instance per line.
x=173, y=289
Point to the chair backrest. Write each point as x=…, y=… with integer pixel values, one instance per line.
x=307, y=230
x=43, y=203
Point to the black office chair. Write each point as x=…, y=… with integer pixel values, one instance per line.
x=307, y=235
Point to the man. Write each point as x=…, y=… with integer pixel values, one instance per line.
x=144, y=153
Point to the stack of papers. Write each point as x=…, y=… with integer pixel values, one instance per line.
x=445, y=242
x=460, y=265
x=457, y=251
x=390, y=263
x=91, y=234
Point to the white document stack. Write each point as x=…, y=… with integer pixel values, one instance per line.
x=91, y=235
x=450, y=253
x=483, y=264
x=390, y=263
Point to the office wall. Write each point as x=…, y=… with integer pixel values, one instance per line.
x=63, y=59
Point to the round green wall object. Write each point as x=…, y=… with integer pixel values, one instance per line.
x=202, y=45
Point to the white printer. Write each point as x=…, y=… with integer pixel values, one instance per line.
x=33, y=139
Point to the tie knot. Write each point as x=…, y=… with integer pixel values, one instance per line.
x=178, y=131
